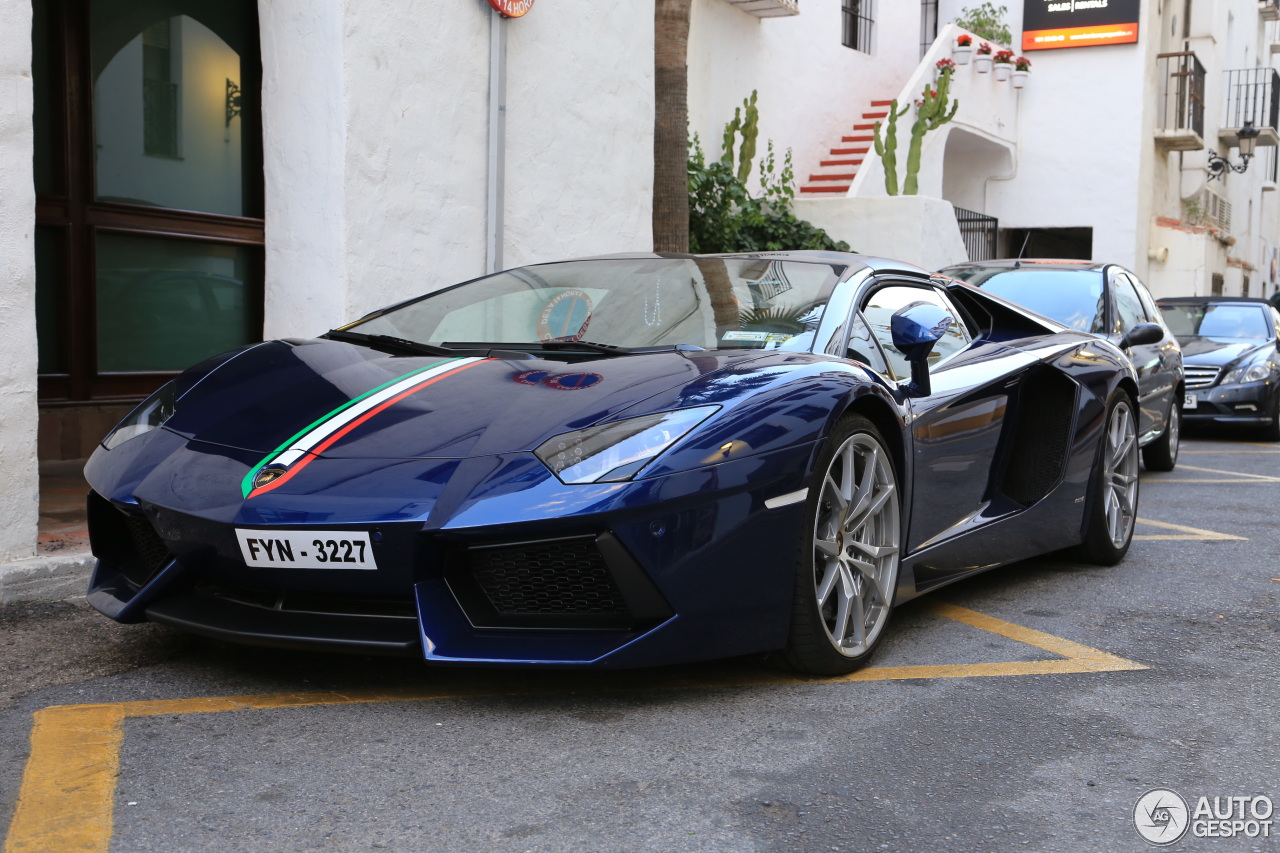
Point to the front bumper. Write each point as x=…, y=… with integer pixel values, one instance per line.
x=681, y=567
x=1245, y=405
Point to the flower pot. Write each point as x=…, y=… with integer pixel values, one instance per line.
x=1002, y=70
x=982, y=63
x=1020, y=78
x=961, y=53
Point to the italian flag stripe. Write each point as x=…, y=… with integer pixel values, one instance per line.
x=321, y=434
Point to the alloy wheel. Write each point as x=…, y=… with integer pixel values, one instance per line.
x=1120, y=474
x=855, y=544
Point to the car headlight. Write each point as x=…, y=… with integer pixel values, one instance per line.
x=1252, y=373
x=616, y=451
x=151, y=413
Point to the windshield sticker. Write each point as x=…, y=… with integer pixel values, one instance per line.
x=298, y=452
x=565, y=317
x=759, y=337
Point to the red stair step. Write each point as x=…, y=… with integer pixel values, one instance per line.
x=839, y=188
x=842, y=151
x=857, y=138
x=845, y=177
x=887, y=103
x=824, y=163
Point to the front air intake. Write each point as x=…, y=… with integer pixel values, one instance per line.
x=1038, y=436
x=126, y=541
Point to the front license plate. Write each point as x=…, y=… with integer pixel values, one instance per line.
x=306, y=549
x=1189, y=402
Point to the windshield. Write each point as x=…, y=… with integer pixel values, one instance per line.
x=713, y=303
x=1072, y=297
x=1236, y=322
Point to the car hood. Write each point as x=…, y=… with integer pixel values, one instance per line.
x=342, y=400
x=1218, y=352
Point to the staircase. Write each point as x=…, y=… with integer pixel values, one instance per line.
x=836, y=171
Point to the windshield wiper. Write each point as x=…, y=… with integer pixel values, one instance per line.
x=579, y=346
x=403, y=345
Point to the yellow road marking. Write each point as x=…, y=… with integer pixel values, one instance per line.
x=1194, y=534
x=68, y=784
x=65, y=802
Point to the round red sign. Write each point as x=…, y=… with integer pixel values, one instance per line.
x=512, y=8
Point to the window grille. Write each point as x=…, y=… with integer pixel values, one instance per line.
x=859, y=19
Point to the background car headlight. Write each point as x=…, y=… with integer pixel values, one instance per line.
x=151, y=413
x=1252, y=373
x=617, y=451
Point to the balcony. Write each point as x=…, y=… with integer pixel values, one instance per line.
x=1269, y=10
x=1253, y=95
x=772, y=8
x=1180, y=110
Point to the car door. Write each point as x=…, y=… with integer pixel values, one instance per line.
x=955, y=429
x=1152, y=362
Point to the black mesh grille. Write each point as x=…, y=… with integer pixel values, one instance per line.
x=150, y=548
x=1041, y=432
x=567, y=577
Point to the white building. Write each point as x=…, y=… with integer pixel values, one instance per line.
x=202, y=172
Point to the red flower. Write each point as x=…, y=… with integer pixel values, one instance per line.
x=984, y=48
x=1022, y=63
x=945, y=65
x=964, y=40
x=1005, y=56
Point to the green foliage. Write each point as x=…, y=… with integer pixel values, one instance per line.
x=724, y=217
x=888, y=148
x=931, y=114
x=746, y=120
x=986, y=21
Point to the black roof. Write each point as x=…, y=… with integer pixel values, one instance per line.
x=1204, y=300
x=1031, y=263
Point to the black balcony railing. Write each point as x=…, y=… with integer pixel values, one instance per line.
x=979, y=233
x=1253, y=95
x=1181, y=104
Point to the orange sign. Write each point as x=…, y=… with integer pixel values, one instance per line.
x=512, y=8
x=1079, y=36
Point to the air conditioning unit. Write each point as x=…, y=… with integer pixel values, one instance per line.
x=1208, y=208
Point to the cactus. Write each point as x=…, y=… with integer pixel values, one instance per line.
x=930, y=115
x=746, y=120
x=750, y=130
x=888, y=148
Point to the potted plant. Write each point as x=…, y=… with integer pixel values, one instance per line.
x=1021, y=71
x=942, y=66
x=1003, y=64
x=982, y=58
x=962, y=49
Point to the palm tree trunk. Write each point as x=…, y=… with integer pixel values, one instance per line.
x=671, y=126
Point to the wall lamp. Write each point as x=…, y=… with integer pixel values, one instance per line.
x=1218, y=165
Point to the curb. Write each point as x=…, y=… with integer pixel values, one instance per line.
x=52, y=577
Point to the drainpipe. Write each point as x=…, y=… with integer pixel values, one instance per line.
x=497, y=140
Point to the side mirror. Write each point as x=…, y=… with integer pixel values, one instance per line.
x=1141, y=335
x=916, y=328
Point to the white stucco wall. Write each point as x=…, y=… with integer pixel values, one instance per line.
x=376, y=126
x=811, y=87
x=917, y=229
x=19, y=499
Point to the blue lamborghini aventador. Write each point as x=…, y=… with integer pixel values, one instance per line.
x=618, y=462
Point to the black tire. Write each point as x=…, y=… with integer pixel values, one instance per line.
x=1162, y=454
x=1107, y=536
x=849, y=543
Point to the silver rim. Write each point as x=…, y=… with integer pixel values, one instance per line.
x=1121, y=475
x=855, y=545
x=1175, y=418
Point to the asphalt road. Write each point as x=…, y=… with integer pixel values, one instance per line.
x=725, y=756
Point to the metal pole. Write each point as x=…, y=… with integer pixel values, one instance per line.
x=497, y=140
